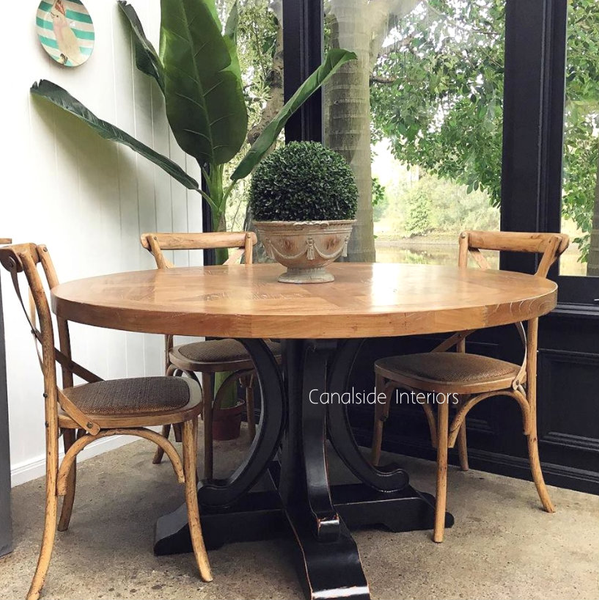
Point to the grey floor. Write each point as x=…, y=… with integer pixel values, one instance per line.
x=503, y=545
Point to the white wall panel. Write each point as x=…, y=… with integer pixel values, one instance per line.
x=88, y=199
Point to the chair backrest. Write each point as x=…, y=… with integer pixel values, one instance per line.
x=550, y=245
x=24, y=259
x=242, y=241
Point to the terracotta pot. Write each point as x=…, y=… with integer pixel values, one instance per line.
x=305, y=247
x=226, y=423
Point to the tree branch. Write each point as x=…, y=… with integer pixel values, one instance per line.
x=383, y=80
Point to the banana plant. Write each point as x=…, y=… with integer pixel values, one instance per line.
x=197, y=70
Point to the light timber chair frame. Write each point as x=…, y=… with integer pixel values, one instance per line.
x=242, y=243
x=64, y=415
x=520, y=384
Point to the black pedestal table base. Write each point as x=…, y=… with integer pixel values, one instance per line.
x=296, y=422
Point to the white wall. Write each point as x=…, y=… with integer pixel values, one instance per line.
x=84, y=197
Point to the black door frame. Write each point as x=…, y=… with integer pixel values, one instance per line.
x=303, y=28
x=535, y=67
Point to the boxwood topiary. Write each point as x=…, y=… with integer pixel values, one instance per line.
x=303, y=181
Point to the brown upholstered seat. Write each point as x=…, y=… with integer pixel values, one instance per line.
x=131, y=396
x=136, y=402
x=447, y=371
x=225, y=354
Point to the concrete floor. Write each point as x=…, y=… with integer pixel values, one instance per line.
x=503, y=545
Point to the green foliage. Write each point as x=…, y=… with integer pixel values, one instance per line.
x=335, y=59
x=443, y=109
x=256, y=45
x=380, y=201
x=438, y=96
x=454, y=208
x=434, y=205
x=203, y=91
x=146, y=57
x=419, y=214
x=581, y=144
x=303, y=181
x=61, y=98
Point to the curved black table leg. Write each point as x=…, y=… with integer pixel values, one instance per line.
x=328, y=559
x=326, y=520
x=172, y=533
x=303, y=502
x=387, y=479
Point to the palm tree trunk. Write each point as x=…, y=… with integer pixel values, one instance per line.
x=348, y=118
x=593, y=264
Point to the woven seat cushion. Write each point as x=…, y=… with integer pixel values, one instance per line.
x=130, y=396
x=449, y=368
x=220, y=351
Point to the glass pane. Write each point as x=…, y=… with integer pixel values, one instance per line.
x=260, y=51
x=419, y=117
x=580, y=194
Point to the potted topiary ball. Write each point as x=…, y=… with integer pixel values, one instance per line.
x=303, y=199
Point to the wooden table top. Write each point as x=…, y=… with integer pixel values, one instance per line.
x=365, y=300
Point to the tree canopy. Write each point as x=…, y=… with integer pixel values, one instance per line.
x=437, y=95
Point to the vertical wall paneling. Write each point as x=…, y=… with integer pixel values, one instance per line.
x=87, y=198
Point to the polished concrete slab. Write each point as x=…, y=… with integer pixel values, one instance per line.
x=503, y=545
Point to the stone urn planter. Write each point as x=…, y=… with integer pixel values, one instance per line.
x=303, y=200
x=305, y=247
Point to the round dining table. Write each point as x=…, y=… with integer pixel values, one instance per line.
x=303, y=402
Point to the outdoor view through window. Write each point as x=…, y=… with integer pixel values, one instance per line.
x=260, y=51
x=580, y=194
x=419, y=116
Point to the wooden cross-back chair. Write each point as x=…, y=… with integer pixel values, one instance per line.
x=212, y=356
x=471, y=378
x=97, y=409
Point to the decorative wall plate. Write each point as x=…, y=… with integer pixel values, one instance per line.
x=66, y=31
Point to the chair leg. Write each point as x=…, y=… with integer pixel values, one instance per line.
x=69, y=436
x=178, y=431
x=463, y=447
x=535, y=466
x=208, y=392
x=531, y=434
x=381, y=414
x=249, y=405
x=442, y=438
x=166, y=429
x=48, y=536
x=190, y=457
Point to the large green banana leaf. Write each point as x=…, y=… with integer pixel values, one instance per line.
x=204, y=97
x=146, y=57
x=59, y=96
x=230, y=37
x=334, y=60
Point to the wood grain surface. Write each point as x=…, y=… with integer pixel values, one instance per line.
x=365, y=300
